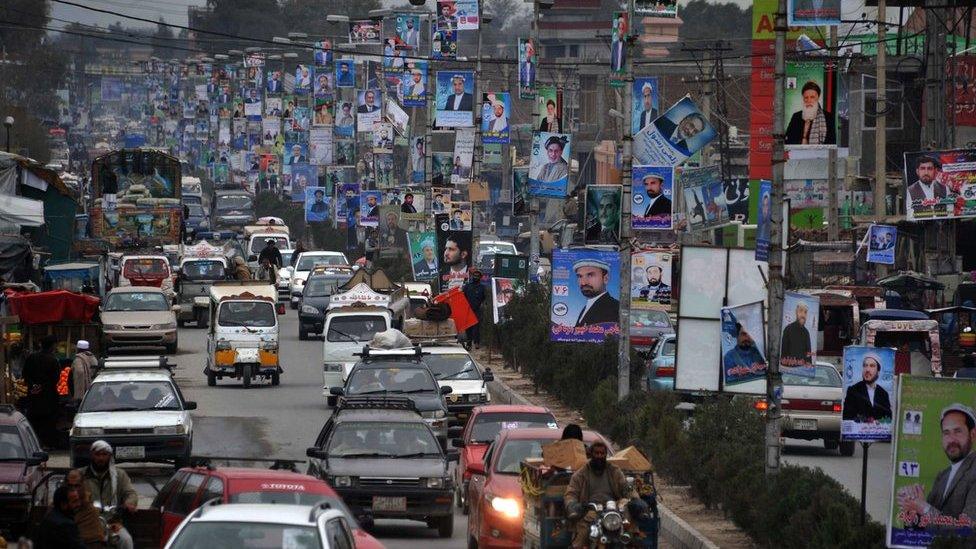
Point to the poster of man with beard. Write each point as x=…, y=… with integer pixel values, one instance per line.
x=809, y=104
x=454, y=252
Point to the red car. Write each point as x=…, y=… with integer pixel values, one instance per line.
x=483, y=426
x=494, y=493
x=190, y=487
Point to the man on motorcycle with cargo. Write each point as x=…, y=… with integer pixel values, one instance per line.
x=110, y=486
x=598, y=482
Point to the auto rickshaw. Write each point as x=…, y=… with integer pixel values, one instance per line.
x=957, y=330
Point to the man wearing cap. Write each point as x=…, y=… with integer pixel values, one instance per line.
x=657, y=203
x=81, y=370
x=109, y=485
x=796, y=351
x=499, y=123
x=952, y=494
x=592, y=275
x=556, y=168
x=648, y=113
x=270, y=253
x=296, y=156
x=866, y=401
x=459, y=100
x=369, y=103
x=426, y=266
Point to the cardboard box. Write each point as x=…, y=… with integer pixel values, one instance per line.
x=565, y=454
x=422, y=329
x=631, y=459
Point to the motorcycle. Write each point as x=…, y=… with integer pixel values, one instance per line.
x=610, y=528
x=108, y=516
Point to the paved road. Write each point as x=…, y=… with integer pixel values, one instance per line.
x=277, y=421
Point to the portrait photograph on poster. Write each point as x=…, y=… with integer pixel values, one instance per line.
x=743, y=344
x=602, y=218
x=527, y=63
x=810, y=104
x=585, y=304
x=645, y=102
x=882, y=240
x=549, y=164
x=453, y=253
x=549, y=109
x=495, y=109
x=798, y=345
x=370, y=202
x=674, y=136
x=454, y=99
x=652, y=197
x=423, y=255
x=869, y=389
x=650, y=280
x=940, y=184
x=317, y=204
x=413, y=89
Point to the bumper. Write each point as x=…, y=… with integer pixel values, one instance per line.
x=501, y=532
x=140, y=338
x=15, y=508
x=189, y=311
x=811, y=425
x=157, y=447
x=421, y=503
x=236, y=370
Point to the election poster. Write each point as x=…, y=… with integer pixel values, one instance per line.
x=495, y=109
x=940, y=184
x=812, y=13
x=704, y=195
x=585, y=304
x=798, y=344
x=454, y=99
x=418, y=163
x=382, y=137
x=453, y=253
x=366, y=31
x=320, y=146
x=549, y=109
x=460, y=219
x=645, y=103
x=603, y=214
x=368, y=111
x=502, y=292
x=656, y=8
x=650, y=280
x=652, y=197
x=463, y=156
x=809, y=105
x=317, y=204
x=413, y=89
x=423, y=255
x=345, y=73
x=443, y=43
x=303, y=80
x=549, y=164
x=398, y=117
x=881, y=244
x=743, y=344
x=302, y=177
x=347, y=204
x=440, y=200
x=413, y=207
x=408, y=30
x=619, y=33
x=370, y=202
x=764, y=220
x=520, y=190
x=676, y=135
x=528, y=64
x=442, y=165
x=457, y=14
x=869, y=382
x=932, y=484
x=323, y=53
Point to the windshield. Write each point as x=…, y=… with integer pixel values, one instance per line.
x=246, y=535
x=355, y=328
x=203, y=270
x=390, y=380
x=114, y=396
x=152, y=266
x=515, y=451
x=650, y=319
x=320, y=287
x=259, y=243
x=252, y=314
x=823, y=376
x=234, y=202
x=382, y=439
x=11, y=447
x=306, y=262
x=456, y=366
x=136, y=301
x=286, y=257
x=487, y=425
x=195, y=210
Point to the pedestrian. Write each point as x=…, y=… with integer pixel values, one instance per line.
x=41, y=375
x=82, y=370
x=475, y=294
x=58, y=529
x=110, y=486
x=299, y=250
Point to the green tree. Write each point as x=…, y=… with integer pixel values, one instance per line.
x=260, y=19
x=707, y=22
x=20, y=33
x=162, y=39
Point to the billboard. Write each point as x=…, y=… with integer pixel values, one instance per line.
x=882, y=240
x=743, y=345
x=673, y=137
x=940, y=184
x=652, y=197
x=454, y=99
x=549, y=164
x=650, y=280
x=585, y=295
x=869, y=380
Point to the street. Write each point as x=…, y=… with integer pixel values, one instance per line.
x=266, y=421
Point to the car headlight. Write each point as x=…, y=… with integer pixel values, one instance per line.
x=435, y=482
x=477, y=397
x=170, y=430
x=111, y=327
x=309, y=310
x=332, y=367
x=612, y=521
x=12, y=488
x=341, y=482
x=434, y=414
x=87, y=432
x=507, y=507
x=164, y=326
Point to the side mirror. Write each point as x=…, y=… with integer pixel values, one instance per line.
x=446, y=390
x=337, y=391
x=37, y=459
x=314, y=452
x=190, y=405
x=476, y=468
x=488, y=375
x=457, y=443
x=453, y=455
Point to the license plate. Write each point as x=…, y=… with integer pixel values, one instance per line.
x=130, y=452
x=805, y=424
x=386, y=503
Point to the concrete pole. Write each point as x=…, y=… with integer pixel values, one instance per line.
x=880, y=122
x=534, y=201
x=623, y=365
x=774, y=382
x=833, y=222
x=477, y=151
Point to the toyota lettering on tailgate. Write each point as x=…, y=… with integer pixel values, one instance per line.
x=284, y=487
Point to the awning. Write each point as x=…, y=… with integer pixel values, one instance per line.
x=22, y=212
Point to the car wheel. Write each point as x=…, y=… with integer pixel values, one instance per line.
x=457, y=498
x=203, y=320
x=276, y=378
x=246, y=374
x=445, y=526
x=211, y=378
x=831, y=443
x=847, y=448
x=302, y=335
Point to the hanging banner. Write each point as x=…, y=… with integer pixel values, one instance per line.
x=368, y=110
x=812, y=13
x=809, y=105
x=367, y=31
x=656, y=8
x=743, y=344
x=603, y=214
x=520, y=190
x=645, y=106
x=549, y=109
x=704, y=197
x=414, y=88
x=962, y=109
x=528, y=63
x=370, y=202
x=418, y=162
x=549, y=164
x=620, y=30
x=652, y=194
x=423, y=255
x=650, y=280
x=765, y=221
x=463, y=156
x=455, y=99
x=940, y=184
x=454, y=253
x=495, y=108
x=585, y=295
x=398, y=117
x=798, y=346
x=408, y=30
x=323, y=53
x=457, y=14
x=443, y=43
x=345, y=73
x=413, y=206
x=672, y=138
x=317, y=205
x=502, y=292
x=869, y=379
x=881, y=244
x=320, y=146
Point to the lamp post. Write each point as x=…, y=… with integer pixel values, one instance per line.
x=8, y=123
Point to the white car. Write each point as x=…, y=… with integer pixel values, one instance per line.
x=304, y=265
x=453, y=367
x=284, y=276
x=259, y=524
x=140, y=412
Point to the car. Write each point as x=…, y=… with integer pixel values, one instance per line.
x=495, y=493
x=486, y=251
x=256, y=525
x=453, y=367
x=197, y=220
x=660, y=370
x=419, y=293
x=140, y=412
x=284, y=276
x=647, y=326
x=483, y=426
x=400, y=372
x=21, y=461
x=232, y=209
x=191, y=487
x=812, y=407
x=321, y=284
x=384, y=460
x=304, y=265
x=139, y=316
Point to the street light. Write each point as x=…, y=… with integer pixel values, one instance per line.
x=8, y=123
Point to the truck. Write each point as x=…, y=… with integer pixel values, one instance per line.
x=200, y=266
x=232, y=209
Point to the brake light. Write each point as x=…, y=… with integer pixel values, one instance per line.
x=836, y=407
x=761, y=405
x=665, y=371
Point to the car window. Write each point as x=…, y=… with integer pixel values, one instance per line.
x=514, y=451
x=11, y=445
x=338, y=535
x=355, y=328
x=452, y=366
x=203, y=270
x=307, y=262
x=136, y=301
x=486, y=426
x=390, y=380
x=28, y=432
x=183, y=502
x=233, y=202
x=246, y=535
x=373, y=439
x=252, y=314
x=650, y=319
x=668, y=347
x=823, y=376
x=319, y=287
x=214, y=489
x=165, y=496
x=259, y=243
x=145, y=266
x=126, y=396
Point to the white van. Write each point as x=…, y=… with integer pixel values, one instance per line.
x=243, y=338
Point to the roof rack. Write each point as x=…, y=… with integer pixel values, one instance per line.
x=365, y=354
x=376, y=402
x=136, y=363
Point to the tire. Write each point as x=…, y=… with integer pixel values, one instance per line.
x=276, y=379
x=445, y=526
x=183, y=461
x=246, y=374
x=293, y=305
x=180, y=323
x=302, y=335
x=831, y=443
x=847, y=448
x=457, y=498
x=211, y=378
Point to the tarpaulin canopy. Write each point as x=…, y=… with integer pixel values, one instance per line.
x=22, y=212
x=52, y=307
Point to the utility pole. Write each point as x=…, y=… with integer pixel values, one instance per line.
x=774, y=382
x=534, y=201
x=623, y=363
x=833, y=223
x=880, y=121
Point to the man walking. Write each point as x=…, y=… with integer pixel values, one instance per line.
x=82, y=370
x=475, y=294
x=41, y=375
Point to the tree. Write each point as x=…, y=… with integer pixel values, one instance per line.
x=162, y=39
x=260, y=19
x=511, y=20
x=21, y=32
x=307, y=15
x=704, y=21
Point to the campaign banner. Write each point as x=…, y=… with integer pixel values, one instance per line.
x=463, y=156
x=440, y=200
x=620, y=31
x=460, y=219
x=869, y=380
x=652, y=197
x=345, y=152
x=370, y=202
x=940, y=184
x=453, y=252
x=457, y=14
x=549, y=164
x=398, y=117
x=520, y=191
x=798, y=344
x=454, y=99
x=345, y=73
x=495, y=108
x=368, y=111
x=443, y=43
x=881, y=244
x=423, y=255
x=408, y=30
x=812, y=13
x=413, y=89
x=110, y=89
x=302, y=177
x=809, y=104
x=764, y=220
x=320, y=146
x=303, y=80
x=676, y=135
x=602, y=220
x=934, y=472
x=413, y=207
x=347, y=204
x=585, y=295
x=962, y=110
x=323, y=53
x=645, y=103
x=743, y=344
x=317, y=204
x=650, y=280
x=442, y=166
x=528, y=64
x=704, y=197
x=502, y=292
x=418, y=161
x=382, y=137
x=656, y=8
x=366, y=31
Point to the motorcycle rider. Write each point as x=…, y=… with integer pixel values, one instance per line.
x=87, y=517
x=110, y=486
x=598, y=482
x=272, y=256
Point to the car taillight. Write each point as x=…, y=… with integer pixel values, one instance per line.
x=665, y=371
x=761, y=405
x=836, y=407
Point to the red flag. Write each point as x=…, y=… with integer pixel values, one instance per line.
x=461, y=312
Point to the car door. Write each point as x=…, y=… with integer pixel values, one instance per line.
x=476, y=488
x=31, y=447
x=181, y=503
x=339, y=535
